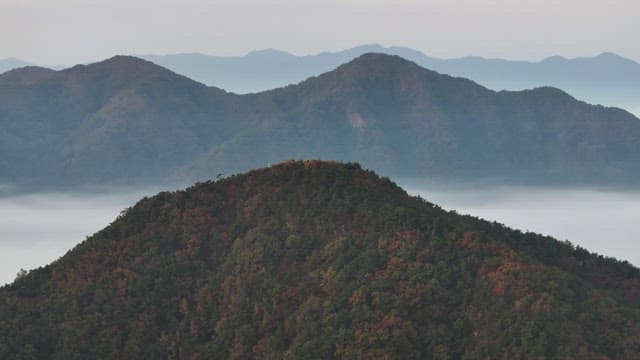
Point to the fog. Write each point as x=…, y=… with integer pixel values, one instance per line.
x=37, y=229
x=601, y=221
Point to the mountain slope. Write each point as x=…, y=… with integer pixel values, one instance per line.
x=122, y=116
x=318, y=260
x=606, y=79
x=398, y=118
x=126, y=120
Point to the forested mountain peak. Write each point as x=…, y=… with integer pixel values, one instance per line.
x=369, y=62
x=118, y=71
x=312, y=259
x=120, y=63
x=380, y=79
x=380, y=67
x=121, y=71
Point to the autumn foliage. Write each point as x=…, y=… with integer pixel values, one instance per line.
x=318, y=260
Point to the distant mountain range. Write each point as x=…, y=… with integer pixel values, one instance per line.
x=606, y=79
x=128, y=120
x=316, y=260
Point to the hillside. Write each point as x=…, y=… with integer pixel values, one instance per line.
x=398, y=118
x=123, y=118
x=126, y=120
x=318, y=260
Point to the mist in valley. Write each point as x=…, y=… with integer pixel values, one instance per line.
x=601, y=220
x=37, y=229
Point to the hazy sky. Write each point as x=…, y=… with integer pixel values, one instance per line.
x=71, y=31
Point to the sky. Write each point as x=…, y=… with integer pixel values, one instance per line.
x=65, y=32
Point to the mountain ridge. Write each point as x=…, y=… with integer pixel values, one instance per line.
x=607, y=69
x=606, y=78
x=125, y=118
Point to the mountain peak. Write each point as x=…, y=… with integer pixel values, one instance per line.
x=304, y=166
x=380, y=57
x=126, y=63
x=614, y=59
x=372, y=63
x=369, y=72
x=300, y=173
x=29, y=69
x=122, y=70
x=554, y=59
x=27, y=75
x=394, y=72
x=314, y=259
x=609, y=55
x=269, y=54
x=605, y=56
x=119, y=64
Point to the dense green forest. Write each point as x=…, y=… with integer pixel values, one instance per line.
x=318, y=260
x=127, y=121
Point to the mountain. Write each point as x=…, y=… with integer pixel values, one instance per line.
x=318, y=260
x=122, y=116
x=604, y=79
x=258, y=70
x=401, y=119
x=128, y=120
x=12, y=63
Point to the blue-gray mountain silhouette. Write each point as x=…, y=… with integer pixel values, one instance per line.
x=128, y=120
x=606, y=79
